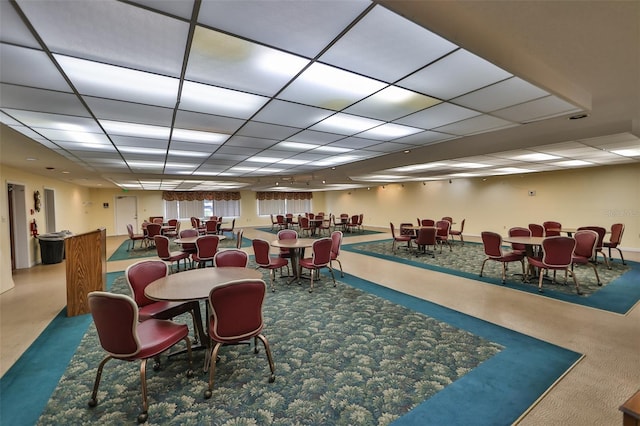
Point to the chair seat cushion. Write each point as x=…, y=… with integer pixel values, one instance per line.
x=153, y=310
x=175, y=256
x=277, y=262
x=157, y=335
x=308, y=263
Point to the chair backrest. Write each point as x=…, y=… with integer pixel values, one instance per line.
x=492, y=243
x=140, y=274
x=321, y=251
x=158, y=220
x=599, y=230
x=231, y=257
x=354, y=219
x=336, y=242
x=207, y=246
x=462, y=224
x=130, y=230
x=153, y=229
x=551, y=228
x=236, y=310
x=558, y=251
x=211, y=226
x=404, y=230
x=428, y=222
x=448, y=219
x=191, y=232
x=344, y=217
x=303, y=222
x=586, y=241
x=393, y=230
x=261, y=251
x=239, y=235
x=518, y=231
x=173, y=222
x=195, y=222
x=536, y=230
x=426, y=237
x=162, y=246
x=617, y=229
x=116, y=320
x=443, y=228
x=287, y=234
x=280, y=219
x=360, y=219
x=214, y=218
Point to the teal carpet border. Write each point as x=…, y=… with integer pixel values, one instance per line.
x=618, y=296
x=495, y=393
x=26, y=387
x=121, y=252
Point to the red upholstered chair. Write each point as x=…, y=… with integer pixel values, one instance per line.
x=164, y=253
x=336, y=243
x=235, y=316
x=211, y=227
x=274, y=222
x=617, y=229
x=139, y=275
x=353, y=223
x=231, y=257
x=291, y=220
x=320, y=258
x=442, y=234
x=586, y=241
x=304, y=225
x=158, y=220
x=214, y=218
x=536, y=230
x=360, y=222
x=206, y=248
x=399, y=238
x=599, y=245
x=239, y=235
x=518, y=231
x=174, y=229
x=557, y=255
x=187, y=233
x=325, y=225
x=229, y=229
x=200, y=227
x=135, y=237
x=427, y=222
x=281, y=221
x=426, y=237
x=265, y=261
x=448, y=219
x=492, y=243
x=124, y=338
x=286, y=234
x=153, y=229
x=551, y=228
x=407, y=229
x=458, y=232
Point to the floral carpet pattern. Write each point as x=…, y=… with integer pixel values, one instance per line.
x=121, y=252
x=343, y=357
x=467, y=260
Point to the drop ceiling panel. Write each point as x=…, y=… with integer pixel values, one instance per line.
x=501, y=95
x=207, y=122
x=28, y=67
x=107, y=109
x=355, y=142
x=257, y=143
x=267, y=131
x=474, y=125
x=385, y=46
x=315, y=137
x=391, y=103
x=291, y=114
x=12, y=29
x=182, y=8
x=547, y=107
x=198, y=97
x=111, y=32
x=425, y=138
x=437, y=116
x=32, y=99
x=301, y=27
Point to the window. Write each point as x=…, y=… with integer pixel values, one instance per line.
x=201, y=208
x=267, y=207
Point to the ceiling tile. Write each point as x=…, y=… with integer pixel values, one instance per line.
x=28, y=67
x=437, y=116
x=501, y=95
x=391, y=103
x=33, y=99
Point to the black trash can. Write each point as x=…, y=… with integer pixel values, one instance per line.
x=52, y=247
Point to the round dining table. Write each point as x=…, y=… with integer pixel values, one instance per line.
x=192, y=240
x=296, y=248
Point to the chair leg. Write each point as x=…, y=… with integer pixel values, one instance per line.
x=340, y=263
x=621, y=256
x=504, y=272
x=142, y=417
x=575, y=281
x=94, y=401
x=483, y=263
x=332, y=276
x=541, y=275
x=212, y=370
x=311, y=287
x=267, y=349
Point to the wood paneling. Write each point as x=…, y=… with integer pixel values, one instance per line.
x=86, y=264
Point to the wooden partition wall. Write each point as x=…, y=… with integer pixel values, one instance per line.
x=86, y=264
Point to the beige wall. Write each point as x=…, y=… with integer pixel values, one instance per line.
x=590, y=196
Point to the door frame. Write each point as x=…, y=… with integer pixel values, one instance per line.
x=116, y=214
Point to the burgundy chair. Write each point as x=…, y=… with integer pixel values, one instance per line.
x=360, y=222
x=336, y=243
x=304, y=225
x=153, y=229
x=139, y=275
x=164, y=252
x=265, y=261
x=407, y=229
x=231, y=257
x=135, y=237
x=536, y=230
x=174, y=229
x=187, y=233
x=557, y=255
x=448, y=219
x=442, y=234
x=399, y=238
x=239, y=235
x=274, y=222
x=586, y=241
x=427, y=222
x=158, y=220
x=600, y=243
x=320, y=258
x=426, y=237
x=458, y=232
x=291, y=220
x=518, y=231
x=211, y=227
x=617, y=229
x=235, y=316
x=353, y=224
x=325, y=225
x=214, y=218
x=206, y=248
x=492, y=243
x=229, y=228
x=286, y=234
x=281, y=221
x=551, y=228
x=124, y=338
x=195, y=224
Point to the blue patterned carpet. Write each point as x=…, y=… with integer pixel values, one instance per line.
x=619, y=293
x=356, y=354
x=121, y=252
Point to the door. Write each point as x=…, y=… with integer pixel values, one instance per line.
x=126, y=212
x=18, y=227
x=50, y=210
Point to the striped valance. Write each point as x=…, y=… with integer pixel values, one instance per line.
x=200, y=195
x=276, y=195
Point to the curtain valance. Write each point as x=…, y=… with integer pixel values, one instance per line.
x=200, y=195
x=276, y=195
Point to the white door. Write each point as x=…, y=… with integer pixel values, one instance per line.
x=126, y=212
